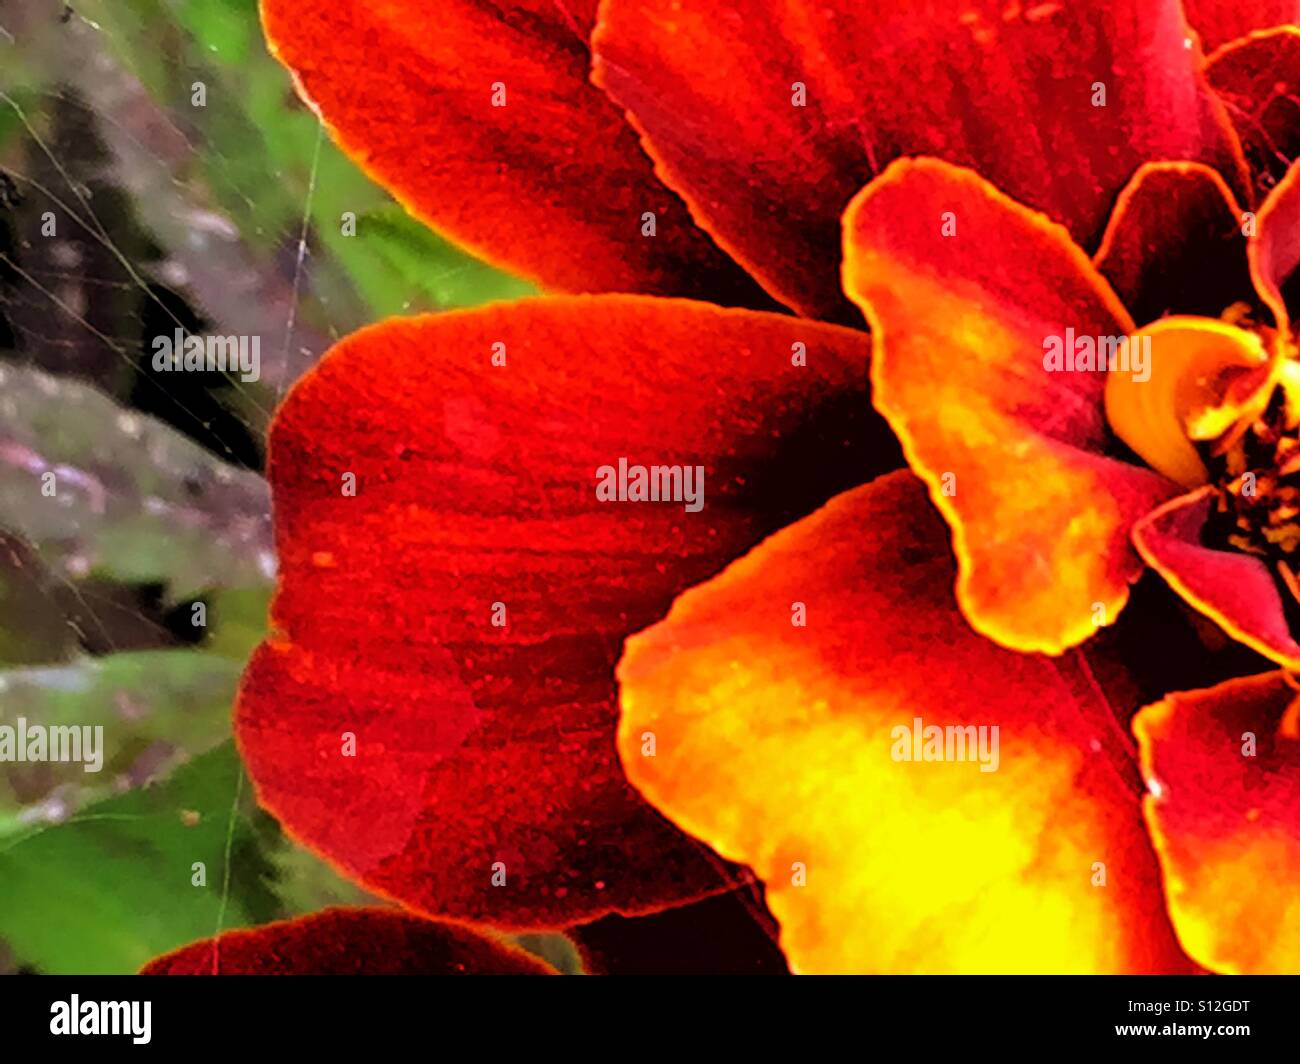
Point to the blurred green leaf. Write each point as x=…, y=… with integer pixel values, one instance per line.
x=259, y=149
x=92, y=880
x=305, y=884
x=556, y=950
x=236, y=620
x=33, y=629
x=157, y=708
x=110, y=889
x=438, y=268
x=133, y=498
x=10, y=124
x=229, y=29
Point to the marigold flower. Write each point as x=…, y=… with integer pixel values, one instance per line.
x=564, y=708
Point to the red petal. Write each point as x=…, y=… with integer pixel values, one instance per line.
x=1258, y=78
x=1014, y=455
x=1275, y=252
x=1235, y=590
x=479, y=745
x=350, y=942
x=732, y=934
x=1175, y=244
x=1220, y=21
x=1005, y=89
x=1223, y=769
x=778, y=744
x=553, y=185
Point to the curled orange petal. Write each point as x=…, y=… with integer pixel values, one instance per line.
x=1192, y=364
x=966, y=290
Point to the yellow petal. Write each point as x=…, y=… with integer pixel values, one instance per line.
x=1193, y=386
x=783, y=712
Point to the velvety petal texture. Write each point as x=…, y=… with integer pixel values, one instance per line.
x=967, y=292
x=784, y=713
x=1222, y=768
x=1236, y=590
x=480, y=118
x=1176, y=244
x=436, y=711
x=1275, y=253
x=350, y=942
x=769, y=116
x=1258, y=79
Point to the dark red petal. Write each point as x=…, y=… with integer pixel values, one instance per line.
x=1235, y=590
x=1005, y=89
x=553, y=185
x=732, y=934
x=1258, y=78
x=1220, y=21
x=1163, y=645
x=1176, y=244
x=1275, y=252
x=1223, y=770
x=350, y=942
x=476, y=745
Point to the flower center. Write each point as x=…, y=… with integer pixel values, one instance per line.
x=1255, y=468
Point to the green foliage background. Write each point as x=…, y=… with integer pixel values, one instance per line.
x=168, y=213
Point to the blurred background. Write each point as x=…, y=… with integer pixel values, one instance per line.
x=158, y=172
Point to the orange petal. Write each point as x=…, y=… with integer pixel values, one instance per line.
x=1014, y=454
x=1223, y=769
x=1176, y=244
x=779, y=745
x=479, y=117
